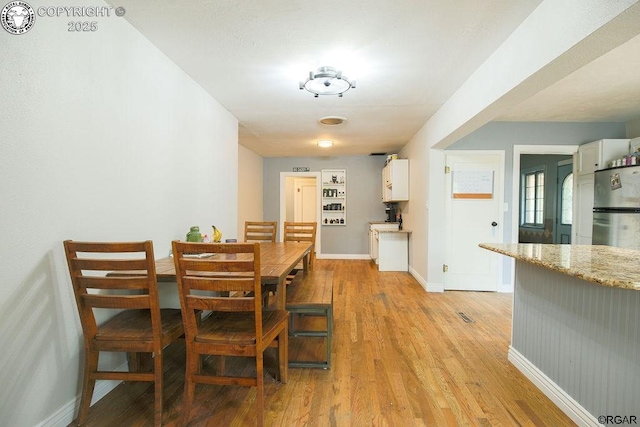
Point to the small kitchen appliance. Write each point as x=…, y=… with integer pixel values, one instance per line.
x=390, y=210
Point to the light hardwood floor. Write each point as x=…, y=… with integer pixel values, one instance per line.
x=401, y=357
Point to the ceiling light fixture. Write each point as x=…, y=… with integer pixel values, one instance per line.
x=325, y=143
x=327, y=81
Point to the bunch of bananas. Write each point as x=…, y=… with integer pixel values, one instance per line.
x=217, y=235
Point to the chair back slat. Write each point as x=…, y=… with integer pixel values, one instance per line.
x=222, y=264
x=220, y=283
x=105, y=247
x=117, y=301
x=226, y=304
x=264, y=231
x=128, y=282
x=109, y=264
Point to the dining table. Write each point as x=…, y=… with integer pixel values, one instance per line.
x=277, y=260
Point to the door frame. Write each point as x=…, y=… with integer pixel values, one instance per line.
x=500, y=192
x=558, y=218
x=283, y=203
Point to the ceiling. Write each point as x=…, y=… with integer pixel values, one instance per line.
x=407, y=57
x=605, y=90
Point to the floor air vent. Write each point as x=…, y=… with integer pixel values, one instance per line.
x=464, y=317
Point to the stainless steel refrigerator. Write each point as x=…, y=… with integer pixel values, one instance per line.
x=616, y=207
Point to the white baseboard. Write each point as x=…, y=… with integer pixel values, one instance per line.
x=428, y=287
x=67, y=413
x=505, y=288
x=435, y=287
x=63, y=416
x=563, y=401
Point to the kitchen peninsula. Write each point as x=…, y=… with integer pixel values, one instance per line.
x=576, y=326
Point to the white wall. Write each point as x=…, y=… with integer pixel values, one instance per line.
x=103, y=138
x=249, y=188
x=415, y=215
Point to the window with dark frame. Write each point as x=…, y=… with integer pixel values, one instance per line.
x=532, y=213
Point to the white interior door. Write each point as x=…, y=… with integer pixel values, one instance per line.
x=473, y=209
x=305, y=200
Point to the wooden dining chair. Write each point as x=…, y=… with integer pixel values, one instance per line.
x=260, y=231
x=236, y=326
x=302, y=232
x=136, y=324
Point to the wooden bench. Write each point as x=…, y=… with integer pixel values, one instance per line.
x=311, y=293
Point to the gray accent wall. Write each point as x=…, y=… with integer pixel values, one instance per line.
x=364, y=197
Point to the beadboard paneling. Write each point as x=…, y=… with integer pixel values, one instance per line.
x=583, y=336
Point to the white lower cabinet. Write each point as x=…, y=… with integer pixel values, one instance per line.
x=374, y=228
x=393, y=250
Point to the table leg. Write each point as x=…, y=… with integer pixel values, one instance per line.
x=305, y=260
x=281, y=294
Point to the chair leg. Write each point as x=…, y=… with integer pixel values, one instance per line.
x=220, y=365
x=192, y=368
x=88, y=384
x=260, y=389
x=158, y=384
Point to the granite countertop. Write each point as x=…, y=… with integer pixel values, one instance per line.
x=394, y=231
x=382, y=222
x=604, y=265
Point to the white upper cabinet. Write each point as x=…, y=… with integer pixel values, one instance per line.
x=395, y=181
x=598, y=155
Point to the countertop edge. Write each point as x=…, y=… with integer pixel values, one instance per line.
x=574, y=272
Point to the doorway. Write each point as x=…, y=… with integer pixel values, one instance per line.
x=518, y=151
x=541, y=196
x=300, y=201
